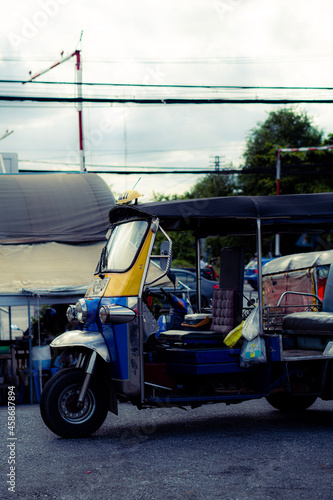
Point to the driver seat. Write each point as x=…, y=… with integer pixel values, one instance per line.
x=227, y=304
x=223, y=321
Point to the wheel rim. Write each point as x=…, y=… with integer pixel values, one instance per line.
x=68, y=408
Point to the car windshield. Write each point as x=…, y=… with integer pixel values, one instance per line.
x=123, y=245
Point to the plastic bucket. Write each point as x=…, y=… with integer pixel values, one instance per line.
x=41, y=356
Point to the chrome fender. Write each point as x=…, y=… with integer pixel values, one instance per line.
x=76, y=338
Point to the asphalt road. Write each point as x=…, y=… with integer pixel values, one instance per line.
x=247, y=451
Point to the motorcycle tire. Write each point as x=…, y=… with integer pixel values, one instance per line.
x=58, y=406
x=286, y=402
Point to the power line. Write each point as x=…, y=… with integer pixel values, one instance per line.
x=272, y=59
x=227, y=87
x=129, y=171
x=294, y=169
x=105, y=169
x=162, y=101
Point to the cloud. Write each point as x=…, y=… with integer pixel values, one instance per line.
x=220, y=42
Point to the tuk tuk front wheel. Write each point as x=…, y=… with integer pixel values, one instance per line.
x=287, y=402
x=59, y=408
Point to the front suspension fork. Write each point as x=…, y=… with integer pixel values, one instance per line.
x=89, y=371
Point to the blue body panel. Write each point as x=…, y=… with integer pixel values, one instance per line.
x=203, y=362
x=116, y=337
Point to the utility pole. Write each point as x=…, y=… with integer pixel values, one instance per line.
x=77, y=55
x=217, y=162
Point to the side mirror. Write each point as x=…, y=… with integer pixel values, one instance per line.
x=165, y=251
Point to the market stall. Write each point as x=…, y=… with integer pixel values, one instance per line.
x=52, y=230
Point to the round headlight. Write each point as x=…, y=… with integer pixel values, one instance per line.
x=81, y=310
x=70, y=313
x=103, y=314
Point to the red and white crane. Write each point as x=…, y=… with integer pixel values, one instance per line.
x=77, y=54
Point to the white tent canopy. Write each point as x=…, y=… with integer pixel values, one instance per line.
x=52, y=230
x=47, y=268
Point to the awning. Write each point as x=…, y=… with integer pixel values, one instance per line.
x=48, y=268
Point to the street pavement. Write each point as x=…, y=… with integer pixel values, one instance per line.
x=247, y=451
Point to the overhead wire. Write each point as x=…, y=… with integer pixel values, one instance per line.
x=271, y=59
x=155, y=85
x=163, y=101
x=166, y=93
x=180, y=92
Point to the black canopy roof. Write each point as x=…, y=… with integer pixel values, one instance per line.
x=238, y=214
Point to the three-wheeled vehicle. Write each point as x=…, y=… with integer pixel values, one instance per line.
x=118, y=352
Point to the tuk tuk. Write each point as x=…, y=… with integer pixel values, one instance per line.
x=119, y=352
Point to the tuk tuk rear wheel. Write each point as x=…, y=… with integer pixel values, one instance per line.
x=59, y=409
x=287, y=402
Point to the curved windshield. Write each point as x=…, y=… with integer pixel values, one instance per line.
x=123, y=245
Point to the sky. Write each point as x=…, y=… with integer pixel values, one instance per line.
x=156, y=42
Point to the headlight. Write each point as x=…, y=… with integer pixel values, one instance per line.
x=104, y=314
x=81, y=310
x=71, y=313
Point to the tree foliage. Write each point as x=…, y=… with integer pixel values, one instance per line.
x=283, y=128
x=301, y=172
x=211, y=185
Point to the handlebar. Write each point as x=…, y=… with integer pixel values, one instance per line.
x=168, y=296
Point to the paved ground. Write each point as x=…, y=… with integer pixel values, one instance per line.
x=247, y=451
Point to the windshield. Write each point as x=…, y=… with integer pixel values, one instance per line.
x=123, y=245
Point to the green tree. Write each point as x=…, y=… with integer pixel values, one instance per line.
x=212, y=185
x=301, y=172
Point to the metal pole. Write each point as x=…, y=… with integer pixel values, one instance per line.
x=79, y=108
x=198, y=255
x=278, y=176
x=48, y=69
x=30, y=356
x=10, y=322
x=260, y=293
x=278, y=171
x=6, y=134
x=77, y=54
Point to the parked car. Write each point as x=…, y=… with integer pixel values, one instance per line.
x=207, y=272
x=189, y=278
x=251, y=271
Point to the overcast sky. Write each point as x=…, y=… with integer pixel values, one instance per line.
x=160, y=42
